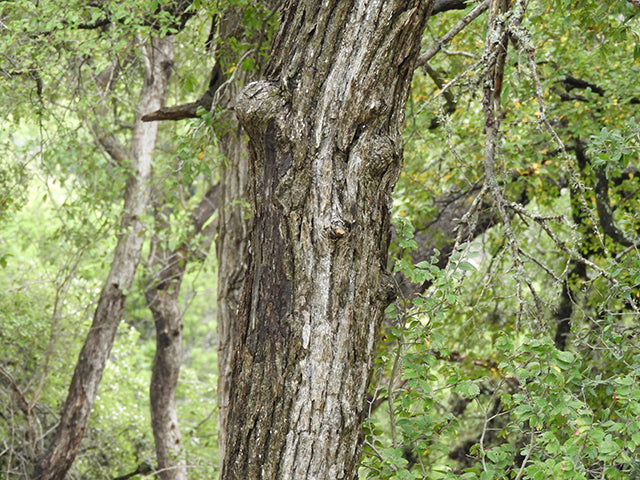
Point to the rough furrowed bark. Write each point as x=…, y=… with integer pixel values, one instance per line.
x=326, y=150
x=54, y=465
x=231, y=251
x=233, y=212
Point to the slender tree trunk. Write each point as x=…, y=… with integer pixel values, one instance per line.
x=326, y=150
x=162, y=298
x=158, y=57
x=162, y=295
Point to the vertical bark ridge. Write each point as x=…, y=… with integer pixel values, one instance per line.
x=233, y=222
x=325, y=152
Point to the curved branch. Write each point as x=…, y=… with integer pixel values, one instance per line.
x=605, y=212
x=570, y=82
x=13, y=385
x=193, y=109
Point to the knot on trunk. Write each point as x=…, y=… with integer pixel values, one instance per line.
x=377, y=152
x=258, y=103
x=337, y=229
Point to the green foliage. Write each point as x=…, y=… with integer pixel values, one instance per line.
x=475, y=381
x=60, y=206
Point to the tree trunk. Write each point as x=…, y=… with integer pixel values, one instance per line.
x=326, y=149
x=162, y=295
x=231, y=251
x=233, y=210
x=158, y=56
x=162, y=298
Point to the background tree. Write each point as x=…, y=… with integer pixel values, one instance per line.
x=503, y=394
x=158, y=58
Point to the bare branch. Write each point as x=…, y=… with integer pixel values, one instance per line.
x=143, y=469
x=605, y=212
x=193, y=109
x=205, y=208
x=112, y=146
x=106, y=139
x=178, y=112
x=448, y=96
x=570, y=82
x=9, y=380
x=447, y=37
x=440, y=6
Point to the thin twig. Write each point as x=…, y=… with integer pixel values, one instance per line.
x=526, y=457
x=447, y=37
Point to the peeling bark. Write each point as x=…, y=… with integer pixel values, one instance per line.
x=158, y=56
x=325, y=152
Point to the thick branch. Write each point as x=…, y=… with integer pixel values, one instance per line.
x=179, y=112
x=114, y=148
x=565, y=307
x=205, y=208
x=570, y=82
x=605, y=212
x=440, y=6
x=447, y=94
x=193, y=109
x=603, y=202
x=143, y=469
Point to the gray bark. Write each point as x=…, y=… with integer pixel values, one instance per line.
x=231, y=250
x=158, y=57
x=233, y=208
x=162, y=295
x=162, y=298
x=326, y=148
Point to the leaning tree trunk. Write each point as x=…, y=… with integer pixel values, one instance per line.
x=95, y=351
x=162, y=294
x=326, y=150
